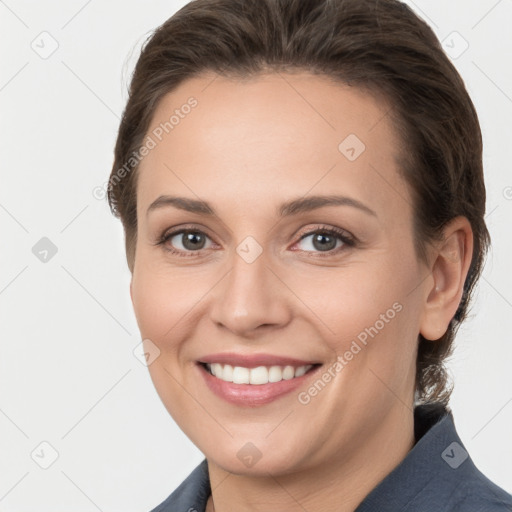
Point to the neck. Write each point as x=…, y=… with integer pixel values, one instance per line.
x=340, y=483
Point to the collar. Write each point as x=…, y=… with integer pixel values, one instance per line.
x=436, y=475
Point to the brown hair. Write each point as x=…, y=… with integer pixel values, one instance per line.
x=380, y=46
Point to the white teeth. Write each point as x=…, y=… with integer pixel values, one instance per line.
x=256, y=376
x=240, y=375
x=275, y=374
x=227, y=372
x=300, y=371
x=216, y=369
x=288, y=372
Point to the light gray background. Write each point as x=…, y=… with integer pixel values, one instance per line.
x=68, y=375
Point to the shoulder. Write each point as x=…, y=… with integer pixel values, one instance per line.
x=464, y=487
x=438, y=474
x=191, y=495
x=479, y=494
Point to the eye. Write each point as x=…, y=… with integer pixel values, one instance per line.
x=322, y=241
x=326, y=240
x=185, y=241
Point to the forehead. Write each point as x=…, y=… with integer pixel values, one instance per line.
x=268, y=137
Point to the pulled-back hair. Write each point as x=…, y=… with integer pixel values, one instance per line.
x=380, y=46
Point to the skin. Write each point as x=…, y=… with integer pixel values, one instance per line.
x=247, y=147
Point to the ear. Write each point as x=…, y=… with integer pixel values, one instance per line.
x=131, y=289
x=449, y=265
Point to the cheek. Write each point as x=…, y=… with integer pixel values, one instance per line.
x=159, y=303
x=164, y=308
x=168, y=304
x=368, y=314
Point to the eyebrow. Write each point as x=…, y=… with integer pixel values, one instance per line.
x=293, y=207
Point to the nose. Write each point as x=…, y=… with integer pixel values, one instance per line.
x=251, y=298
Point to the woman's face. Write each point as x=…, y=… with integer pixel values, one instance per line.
x=299, y=254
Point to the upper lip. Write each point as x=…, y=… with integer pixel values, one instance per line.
x=253, y=360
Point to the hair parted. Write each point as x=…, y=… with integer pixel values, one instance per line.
x=380, y=46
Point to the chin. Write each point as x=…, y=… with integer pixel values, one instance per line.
x=250, y=458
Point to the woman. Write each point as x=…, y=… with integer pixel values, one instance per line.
x=301, y=189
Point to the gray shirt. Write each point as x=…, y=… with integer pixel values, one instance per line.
x=436, y=475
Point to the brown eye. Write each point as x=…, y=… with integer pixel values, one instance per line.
x=192, y=240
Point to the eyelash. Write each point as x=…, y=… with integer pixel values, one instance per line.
x=348, y=241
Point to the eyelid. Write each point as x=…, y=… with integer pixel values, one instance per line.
x=322, y=228
x=167, y=233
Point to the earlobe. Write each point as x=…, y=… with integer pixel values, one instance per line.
x=450, y=265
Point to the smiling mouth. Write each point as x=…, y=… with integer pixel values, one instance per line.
x=256, y=376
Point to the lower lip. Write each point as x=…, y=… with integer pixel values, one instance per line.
x=252, y=395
